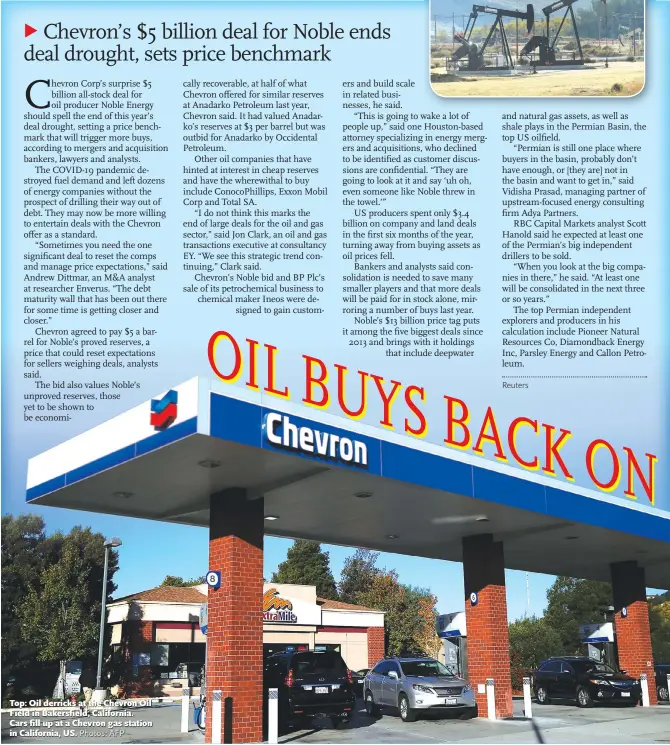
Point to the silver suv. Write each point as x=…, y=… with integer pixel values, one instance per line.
x=415, y=684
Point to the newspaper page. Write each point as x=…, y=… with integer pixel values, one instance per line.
x=384, y=282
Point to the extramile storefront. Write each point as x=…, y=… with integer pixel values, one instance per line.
x=201, y=455
x=158, y=637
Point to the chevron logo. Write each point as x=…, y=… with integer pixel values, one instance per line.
x=164, y=410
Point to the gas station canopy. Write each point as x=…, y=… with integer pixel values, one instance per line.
x=352, y=485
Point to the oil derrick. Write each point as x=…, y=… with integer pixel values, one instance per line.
x=476, y=59
x=545, y=46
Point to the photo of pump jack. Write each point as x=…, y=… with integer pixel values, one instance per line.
x=548, y=51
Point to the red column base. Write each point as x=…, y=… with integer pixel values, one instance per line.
x=631, y=622
x=235, y=618
x=486, y=619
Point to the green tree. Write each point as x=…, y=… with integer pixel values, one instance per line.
x=91, y=549
x=55, y=618
x=572, y=602
x=60, y=615
x=404, y=620
x=659, y=623
x=426, y=637
x=357, y=573
x=531, y=640
x=24, y=550
x=173, y=581
x=307, y=564
x=410, y=612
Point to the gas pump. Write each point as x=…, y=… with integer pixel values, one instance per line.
x=599, y=640
x=451, y=628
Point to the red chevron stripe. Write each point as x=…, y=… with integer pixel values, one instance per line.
x=164, y=419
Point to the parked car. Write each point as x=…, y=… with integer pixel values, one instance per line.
x=662, y=671
x=416, y=684
x=584, y=680
x=359, y=678
x=310, y=683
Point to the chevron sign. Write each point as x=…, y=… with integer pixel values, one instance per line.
x=164, y=410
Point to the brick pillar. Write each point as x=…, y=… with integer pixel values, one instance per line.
x=376, y=649
x=488, y=636
x=234, y=617
x=633, y=636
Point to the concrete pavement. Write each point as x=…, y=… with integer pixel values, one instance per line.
x=551, y=724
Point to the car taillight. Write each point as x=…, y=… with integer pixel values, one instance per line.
x=349, y=676
x=288, y=681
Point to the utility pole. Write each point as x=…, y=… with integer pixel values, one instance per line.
x=108, y=544
x=527, y=593
x=453, y=31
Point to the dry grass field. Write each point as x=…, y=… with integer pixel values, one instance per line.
x=619, y=79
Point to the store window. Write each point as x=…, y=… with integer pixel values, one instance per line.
x=177, y=660
x=160, y=655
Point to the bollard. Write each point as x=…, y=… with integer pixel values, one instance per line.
x=273, y=715
x=645, y=689
x=527, y=705
x=185, y=701
x=228, y=720
x=216, y=718
x=490, y=698
x=667, y=683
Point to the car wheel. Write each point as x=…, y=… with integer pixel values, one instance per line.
x=469, y=714
x=662, y=692
x=406, y=712
x=370, y=706
x=542, y=695
x=298, y=722
x=584, y=700
x=339, y=722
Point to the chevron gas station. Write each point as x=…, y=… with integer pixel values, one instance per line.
x=245, y=464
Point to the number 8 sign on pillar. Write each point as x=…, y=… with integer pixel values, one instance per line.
x=213, y=579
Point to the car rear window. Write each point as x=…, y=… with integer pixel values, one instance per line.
x=318, y=663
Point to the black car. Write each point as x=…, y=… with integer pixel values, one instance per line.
x=359, y=677
x=310, y=683
x=585, y=681
x=662, y=671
